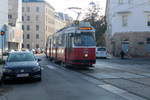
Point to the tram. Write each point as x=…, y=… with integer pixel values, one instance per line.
x=73, y=45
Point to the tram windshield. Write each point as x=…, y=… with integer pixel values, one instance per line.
x=84, y=40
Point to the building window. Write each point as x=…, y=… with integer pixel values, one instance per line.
x=37, y=45
x=28, y=18
x=37, y=9
x=22, y=27
x=22, y=18
x=37, y=36
x=125, y=20
x=148, y=22
x=28, y=46
x=125, y=46
x=120, y=1
x=28, y=27
x=28, y=9
x=9, y=16
x=130, y=1
x=37, y=27
x=46, y=28
x=148, y=44
x=22, y=9
x=37, y=18
x=22, y=45
x=28, y=36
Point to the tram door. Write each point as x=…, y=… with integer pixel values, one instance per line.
x=125, y=46
x=68, y=47
x=50, y=48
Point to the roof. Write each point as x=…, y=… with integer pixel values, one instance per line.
x=33, y=0
x=18, y=52
x=38, y=1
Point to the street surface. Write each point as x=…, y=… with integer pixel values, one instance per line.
x=111, y=79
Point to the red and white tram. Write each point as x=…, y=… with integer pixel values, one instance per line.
x=73, y=45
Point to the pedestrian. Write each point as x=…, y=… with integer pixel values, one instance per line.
x=122, y=54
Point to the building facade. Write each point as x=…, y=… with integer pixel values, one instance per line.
x=38, y=23
x=10, y=23
x=128, y=27
x=15, y=36
x=3, y=18
x=59, y=22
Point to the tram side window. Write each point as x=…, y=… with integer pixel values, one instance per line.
x=59, y=41
x=62, y=40
x=54, y=42
x=77, y=40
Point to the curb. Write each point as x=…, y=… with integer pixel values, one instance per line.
x=1, y=74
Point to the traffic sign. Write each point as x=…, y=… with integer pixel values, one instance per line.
x=2, y=33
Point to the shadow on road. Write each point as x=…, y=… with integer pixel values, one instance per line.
x=81, y=68
x=19, y=82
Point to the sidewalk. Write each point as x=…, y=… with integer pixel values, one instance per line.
x=1, y=71
x=130, y=58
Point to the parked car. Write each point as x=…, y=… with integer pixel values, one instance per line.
x=42, y=50
x=38, y=51
x=101, y=52
x=20, y=65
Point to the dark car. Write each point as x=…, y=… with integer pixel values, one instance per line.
x=20, y=65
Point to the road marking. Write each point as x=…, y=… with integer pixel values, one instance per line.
x=51, y=67
x=120, y=92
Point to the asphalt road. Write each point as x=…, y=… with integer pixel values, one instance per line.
x=109, y=80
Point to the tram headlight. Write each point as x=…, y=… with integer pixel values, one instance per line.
x=86, y=55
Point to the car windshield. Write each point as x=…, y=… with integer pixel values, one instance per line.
x=19, y=57
x=101, y=49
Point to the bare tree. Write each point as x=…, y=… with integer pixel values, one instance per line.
x=98, y=21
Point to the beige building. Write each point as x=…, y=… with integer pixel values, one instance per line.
x=59, y=23
x=15, y=33
x=38, y=23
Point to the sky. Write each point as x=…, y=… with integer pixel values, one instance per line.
x=62, y=5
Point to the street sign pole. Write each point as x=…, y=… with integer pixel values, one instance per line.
x=2, y=39
x=2, y=46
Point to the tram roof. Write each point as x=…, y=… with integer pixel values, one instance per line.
x=75, y=26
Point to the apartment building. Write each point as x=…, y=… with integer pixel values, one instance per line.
x=38, y=23
x=128, y=27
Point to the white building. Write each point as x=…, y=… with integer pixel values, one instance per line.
x=10, y=22
x=3, y=16
x=3, y=13
x=15, y=21
x=128, y=27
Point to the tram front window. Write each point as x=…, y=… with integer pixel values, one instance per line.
x=84, y=40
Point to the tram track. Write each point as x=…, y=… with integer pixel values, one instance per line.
x=78, y=72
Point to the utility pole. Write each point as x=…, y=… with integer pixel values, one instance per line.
x=77, y=12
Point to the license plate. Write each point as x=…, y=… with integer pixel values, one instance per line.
x=22, y=75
